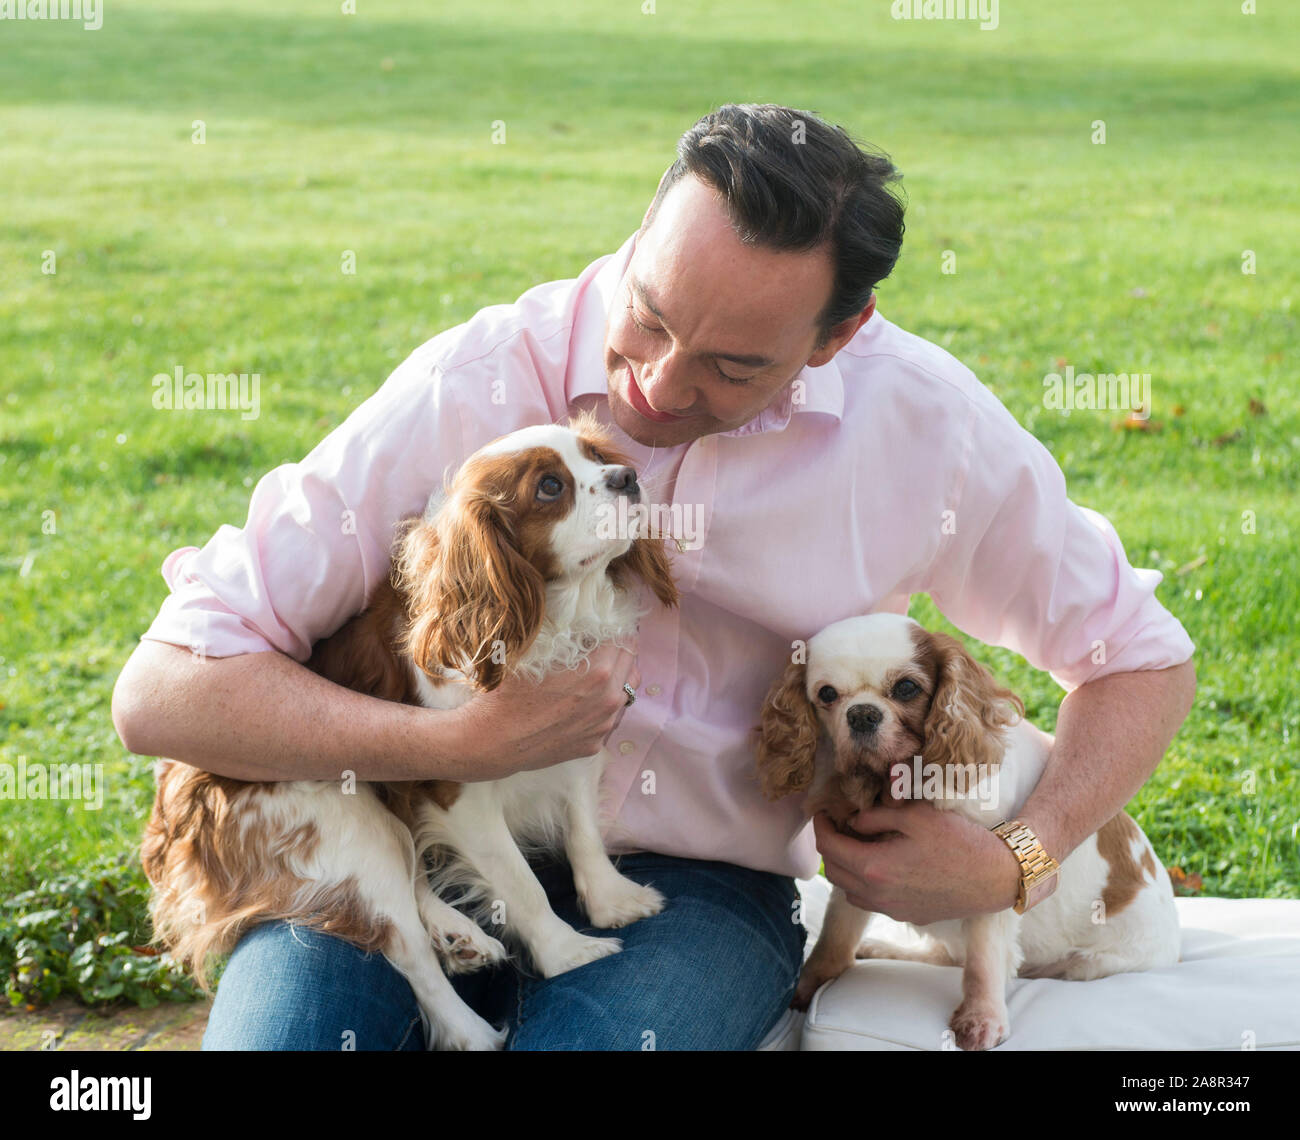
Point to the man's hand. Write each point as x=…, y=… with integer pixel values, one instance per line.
x=525, y=725
x=263, y=716
x=935, y=864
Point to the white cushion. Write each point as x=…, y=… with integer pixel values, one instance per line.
x=1238, y=984
x=785, y=1036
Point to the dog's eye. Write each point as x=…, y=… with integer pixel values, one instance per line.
x=905, y=690
x=827, y=694
x=549, y=487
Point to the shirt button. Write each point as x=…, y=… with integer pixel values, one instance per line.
x=653, y=690
x=626, y=747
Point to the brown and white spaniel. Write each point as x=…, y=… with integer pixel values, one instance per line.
x=518, y=568
x=908, y=713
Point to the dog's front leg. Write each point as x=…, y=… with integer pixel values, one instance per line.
x=982, y=1021
x=482, y=838
x=836, y=947
x=611, y=900
x=458, y=941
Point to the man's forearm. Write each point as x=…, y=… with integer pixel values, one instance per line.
x=263, y=716
x=1110, y=736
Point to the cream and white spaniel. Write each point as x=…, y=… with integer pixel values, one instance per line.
x=518, y=567
x=909, y=713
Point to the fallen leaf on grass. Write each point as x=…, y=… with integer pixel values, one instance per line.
x=1135, y=422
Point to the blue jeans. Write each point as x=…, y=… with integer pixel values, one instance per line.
x=714, y=970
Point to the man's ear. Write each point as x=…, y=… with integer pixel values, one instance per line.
x=840, y=335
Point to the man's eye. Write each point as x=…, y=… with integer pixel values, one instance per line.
x=631, y=312
x=905, y=690
x=549, y=487
x=827, y=694
x=731, y=379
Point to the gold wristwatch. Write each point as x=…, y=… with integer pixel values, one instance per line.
x=1038, y=870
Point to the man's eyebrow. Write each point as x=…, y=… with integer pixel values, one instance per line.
x=735, y=357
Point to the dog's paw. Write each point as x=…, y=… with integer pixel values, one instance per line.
x=573, y=951
x=620, y=903
x=980, y=1025
x=470, y=1033
x=464, y=949
x=813, y=976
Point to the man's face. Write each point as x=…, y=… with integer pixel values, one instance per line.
x=707, y=330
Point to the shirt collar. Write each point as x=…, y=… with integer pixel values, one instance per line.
x=812, y=390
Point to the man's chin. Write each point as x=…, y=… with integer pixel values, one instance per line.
x=646, y=432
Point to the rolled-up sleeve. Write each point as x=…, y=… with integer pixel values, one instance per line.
x=1027, y=569
x=318, y=535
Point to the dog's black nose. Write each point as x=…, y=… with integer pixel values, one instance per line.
x=623, y=481
x=864, y=718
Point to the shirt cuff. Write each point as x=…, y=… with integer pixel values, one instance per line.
x=1130, y=631
x=193, y=617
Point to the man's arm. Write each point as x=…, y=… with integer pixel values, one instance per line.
x=1111, y=735
x=263, y=716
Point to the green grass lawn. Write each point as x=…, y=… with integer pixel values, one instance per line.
x=373, y=133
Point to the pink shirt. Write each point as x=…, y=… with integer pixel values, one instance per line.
x=896, y=473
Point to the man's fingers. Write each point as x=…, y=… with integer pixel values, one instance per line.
x=827, y=836
x=851, y=878
x=875, y=820
x=842, y=853
x=634, y=672
x=849, y=860
x=834, y=845
x=850, y=883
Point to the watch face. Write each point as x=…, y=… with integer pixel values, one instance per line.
x=1041, y=890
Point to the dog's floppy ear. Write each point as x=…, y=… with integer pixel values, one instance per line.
x=968, y=708
x=475, y=602
x=648, y=560
x=788, y=734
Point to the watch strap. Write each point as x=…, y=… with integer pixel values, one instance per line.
x=1038, y=870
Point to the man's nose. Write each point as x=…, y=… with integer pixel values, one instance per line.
x=663, y=383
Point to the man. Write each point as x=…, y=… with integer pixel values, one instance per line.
x=821, y=462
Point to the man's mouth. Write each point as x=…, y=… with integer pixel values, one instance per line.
x=638, y=402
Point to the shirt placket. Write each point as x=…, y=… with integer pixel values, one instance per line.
x=631, y=745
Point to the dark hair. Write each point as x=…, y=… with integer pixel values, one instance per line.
x=793, y=182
